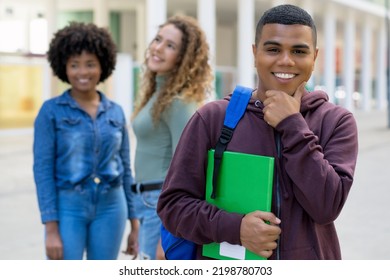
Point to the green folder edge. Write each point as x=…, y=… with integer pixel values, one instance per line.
x=239, y=171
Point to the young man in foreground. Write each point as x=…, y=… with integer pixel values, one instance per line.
x=313, y=141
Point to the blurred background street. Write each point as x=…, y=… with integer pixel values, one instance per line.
x=363, y=226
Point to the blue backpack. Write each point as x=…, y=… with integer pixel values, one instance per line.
x=177, y=248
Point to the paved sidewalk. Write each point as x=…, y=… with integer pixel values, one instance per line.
x=364, y=223
x=363, y=226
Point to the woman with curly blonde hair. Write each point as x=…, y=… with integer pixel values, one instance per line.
x=177, y=79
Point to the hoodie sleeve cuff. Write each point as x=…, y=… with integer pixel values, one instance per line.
x=229, y=228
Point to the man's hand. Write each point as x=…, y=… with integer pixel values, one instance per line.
x=259, y=232
x=278, y=105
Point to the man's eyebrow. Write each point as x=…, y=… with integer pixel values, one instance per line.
x=276, y=43
x=271, y=43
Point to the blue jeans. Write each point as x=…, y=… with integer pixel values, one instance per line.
x=92, y=220
x=149, y=233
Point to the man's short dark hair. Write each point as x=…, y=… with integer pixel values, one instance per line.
x=287, y=15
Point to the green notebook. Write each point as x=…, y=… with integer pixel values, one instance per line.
x=244, y=185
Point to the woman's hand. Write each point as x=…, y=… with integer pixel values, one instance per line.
x=53, y=242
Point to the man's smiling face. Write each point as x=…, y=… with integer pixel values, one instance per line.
x=284, y=57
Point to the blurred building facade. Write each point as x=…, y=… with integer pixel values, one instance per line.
x=351, y=67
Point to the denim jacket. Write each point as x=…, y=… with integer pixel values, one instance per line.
x=71, y=150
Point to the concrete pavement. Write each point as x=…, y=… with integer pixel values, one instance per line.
x=364, y=223
x=363, y=226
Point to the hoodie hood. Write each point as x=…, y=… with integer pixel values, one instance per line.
x=313, y=99
x=309, y=101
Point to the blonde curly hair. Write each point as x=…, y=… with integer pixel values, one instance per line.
x=191, y=78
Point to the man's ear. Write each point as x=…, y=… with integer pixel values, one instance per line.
x=254, y=50
x=315, y=58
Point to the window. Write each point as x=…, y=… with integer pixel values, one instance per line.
x=38, y=36
x=13, y=31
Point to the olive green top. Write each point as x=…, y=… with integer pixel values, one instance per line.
x=156, y=143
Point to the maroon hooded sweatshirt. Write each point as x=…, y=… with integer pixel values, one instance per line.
x=316, y=166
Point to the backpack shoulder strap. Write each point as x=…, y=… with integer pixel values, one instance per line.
x=234, y=112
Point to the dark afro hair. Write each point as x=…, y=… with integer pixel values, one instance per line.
x=76, y=38
x=287, y=15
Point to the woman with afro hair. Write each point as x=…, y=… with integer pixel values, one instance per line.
x=81, y=151
x=177, y=79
